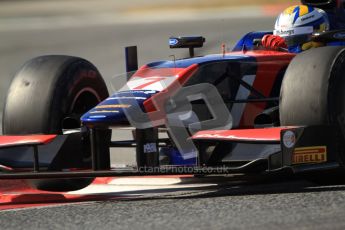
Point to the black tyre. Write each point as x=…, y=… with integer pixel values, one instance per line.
x=49, y=94
x=313, y=90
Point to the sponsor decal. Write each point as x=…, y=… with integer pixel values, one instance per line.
x=130, y=92
x=287, y=32
x=293, y=31
x=118, y=106
x=149, y=91
x=289, y=139
x=173, y=41
x=124, y=98
x=98, y=116
x=104, y=111
x=150, y=148
x=308, y=17
x=340, y=35
x=305, y=155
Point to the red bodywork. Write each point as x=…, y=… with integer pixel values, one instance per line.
x=270, y=65
x=11, y=141
x=243, y=135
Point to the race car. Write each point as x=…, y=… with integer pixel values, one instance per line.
x=248, y=111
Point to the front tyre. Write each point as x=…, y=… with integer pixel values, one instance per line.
x=313, y=93
x=50, y=94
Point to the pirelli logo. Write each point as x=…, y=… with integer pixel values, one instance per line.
x=305, y=155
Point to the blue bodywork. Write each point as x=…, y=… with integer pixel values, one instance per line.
x=247, y=41
x=110, y=112
x=185, y=63
x=113, y=115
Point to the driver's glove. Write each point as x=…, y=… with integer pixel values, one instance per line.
x=273, y=42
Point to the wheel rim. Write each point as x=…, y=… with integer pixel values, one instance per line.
x=84, y=101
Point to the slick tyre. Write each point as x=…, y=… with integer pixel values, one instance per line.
x=313, y=90
x=49, y=94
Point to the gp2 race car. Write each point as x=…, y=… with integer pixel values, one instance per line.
x=248, y=111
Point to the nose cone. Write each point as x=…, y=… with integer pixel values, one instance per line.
x=112, y=110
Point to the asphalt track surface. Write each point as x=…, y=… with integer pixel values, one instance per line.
x=285, y=205
x=277, y=205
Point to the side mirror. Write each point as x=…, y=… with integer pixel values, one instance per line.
x=187, y=42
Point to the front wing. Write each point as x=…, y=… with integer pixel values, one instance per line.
x=296, y=149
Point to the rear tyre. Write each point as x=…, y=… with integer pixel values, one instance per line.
x=49, y=94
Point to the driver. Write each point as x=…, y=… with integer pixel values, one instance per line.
x=294, y=28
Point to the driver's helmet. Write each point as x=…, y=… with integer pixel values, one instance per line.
x=297, y=24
